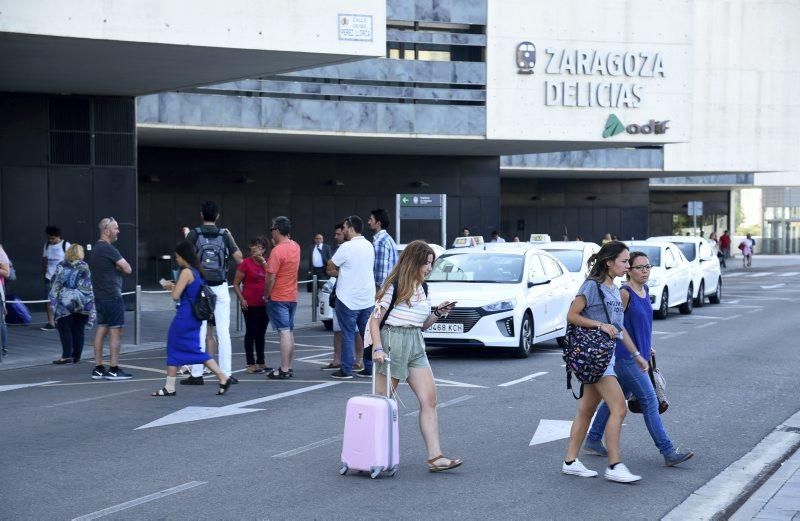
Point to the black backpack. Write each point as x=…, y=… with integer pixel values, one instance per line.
x=213, y=253
x=203, y=306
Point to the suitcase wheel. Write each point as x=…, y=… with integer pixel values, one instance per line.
x=343, y=470
x=393, y=470
x=376, y=472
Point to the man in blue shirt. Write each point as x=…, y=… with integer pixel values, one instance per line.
x=385, y=247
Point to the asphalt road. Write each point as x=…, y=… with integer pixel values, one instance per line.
x=75, y=447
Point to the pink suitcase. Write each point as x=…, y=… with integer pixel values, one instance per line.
x=371, y=441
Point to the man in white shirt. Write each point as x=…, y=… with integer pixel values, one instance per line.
x=352, y=264
x=496, y=237
x=317, y=261
x=52, y=255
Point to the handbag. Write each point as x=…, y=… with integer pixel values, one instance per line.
x=659, y=384
x=587, y=352
x=203, y=305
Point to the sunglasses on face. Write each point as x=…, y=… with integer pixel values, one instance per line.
x=642, y=267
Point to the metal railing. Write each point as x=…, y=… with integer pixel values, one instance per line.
x=138, y=292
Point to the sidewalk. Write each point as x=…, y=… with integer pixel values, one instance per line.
x=29, y=346
x=778, y=498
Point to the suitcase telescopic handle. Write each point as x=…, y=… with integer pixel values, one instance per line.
x=388, y=378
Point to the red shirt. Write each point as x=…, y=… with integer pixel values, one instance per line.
x=284, y=261
x=725, y=242
x=253, y=282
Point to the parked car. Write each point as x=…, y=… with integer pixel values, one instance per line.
x=509, y=295
x=707, y=276
x=573, y=255
x=670, y=280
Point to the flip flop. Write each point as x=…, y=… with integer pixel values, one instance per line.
x=223, y=388
x=163, y=392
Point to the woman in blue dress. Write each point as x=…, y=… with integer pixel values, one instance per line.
x=183, y=340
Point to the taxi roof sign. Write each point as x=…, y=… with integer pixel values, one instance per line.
x=467, y=242
x=539, y=238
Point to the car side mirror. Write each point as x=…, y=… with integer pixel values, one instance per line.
x=538, y=280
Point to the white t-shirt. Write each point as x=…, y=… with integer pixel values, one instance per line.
x=54, y=253
x=355, y=286
x=402, y=313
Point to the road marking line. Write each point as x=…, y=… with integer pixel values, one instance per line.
x=140, y=368
x=445, y=404
x=279, y=395
x=670, y=335
x=756, y=275
x=23, y=386
x=82, y=400
x=329, y=348
x=755, y=310
x=523, y=379
x=734, y=274
x=789, y=274
x=452, y=383
x=707, y=324
x=774, y=286
x=305, y=448
x=140, y=501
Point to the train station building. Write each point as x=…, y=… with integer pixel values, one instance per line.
x=570, y=118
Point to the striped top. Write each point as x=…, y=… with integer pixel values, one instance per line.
x=404, y=315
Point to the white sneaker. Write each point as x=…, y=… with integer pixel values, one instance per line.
x=621, y=474
x=577, y=469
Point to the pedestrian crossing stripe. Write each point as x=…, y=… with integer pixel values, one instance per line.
x=789, y=274
x=734, y=274
x=765, y=274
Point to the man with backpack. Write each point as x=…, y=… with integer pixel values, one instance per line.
x=52, y=255
x=215, y=247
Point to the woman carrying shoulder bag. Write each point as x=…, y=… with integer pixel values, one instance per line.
x=597, y=299
x=401, y=337
x=72, y=302
x=183, y=339
x=639, y=325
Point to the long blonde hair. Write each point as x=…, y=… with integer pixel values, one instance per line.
x=407, y=271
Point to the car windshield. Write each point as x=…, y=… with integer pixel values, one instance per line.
x=653, y=253
x=478, y=267
x=572, y=259
x=688, y=249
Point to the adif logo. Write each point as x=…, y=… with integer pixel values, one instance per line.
x=526, y=57
x=614, y=126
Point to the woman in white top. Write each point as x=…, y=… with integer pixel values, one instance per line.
x=401, y=337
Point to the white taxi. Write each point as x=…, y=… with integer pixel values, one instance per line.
x=508, y=295
x=670, y=280
x=707, y=276
x=574, y=255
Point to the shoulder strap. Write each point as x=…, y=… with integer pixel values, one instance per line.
x=64, y=245
x=425, y=287
x=602, y=297
x=391, y=304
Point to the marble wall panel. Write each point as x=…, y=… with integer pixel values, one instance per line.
x=395, y=117
x=440, y=38
x=147, y=108
x=602, y=158
x=400, y=10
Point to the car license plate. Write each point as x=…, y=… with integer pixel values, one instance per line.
x=446, y=328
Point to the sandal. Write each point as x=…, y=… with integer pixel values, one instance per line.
x=280, y=375
x=163, y=392
x=439, y=468
x=223, y=388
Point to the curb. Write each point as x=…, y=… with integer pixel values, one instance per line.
x=730, y=489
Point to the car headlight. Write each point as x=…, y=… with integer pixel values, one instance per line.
x=501, y=305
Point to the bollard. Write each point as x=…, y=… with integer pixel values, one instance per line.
x=314, y=298
x=137, y=330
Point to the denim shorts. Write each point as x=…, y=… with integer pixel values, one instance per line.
x=110, y=313
x=281, y=315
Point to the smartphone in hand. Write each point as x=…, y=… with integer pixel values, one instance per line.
x=447, y=307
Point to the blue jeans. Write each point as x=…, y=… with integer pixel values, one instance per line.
x=349, y=320
x=634, y=381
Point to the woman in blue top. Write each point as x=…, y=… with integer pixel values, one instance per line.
x=639, y=325
x=183, y=339
x=587, y=311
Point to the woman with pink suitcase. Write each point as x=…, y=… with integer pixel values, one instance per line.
x=401, y=337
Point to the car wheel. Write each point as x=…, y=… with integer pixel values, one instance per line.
x=687, y=307
x=716, y=298
x=525, y=337
x=701, y=296
x=328, y=324
x=663, y=309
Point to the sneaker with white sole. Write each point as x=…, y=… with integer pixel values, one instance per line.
x=576, y=468
x=115, y=373
x=621, y=474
